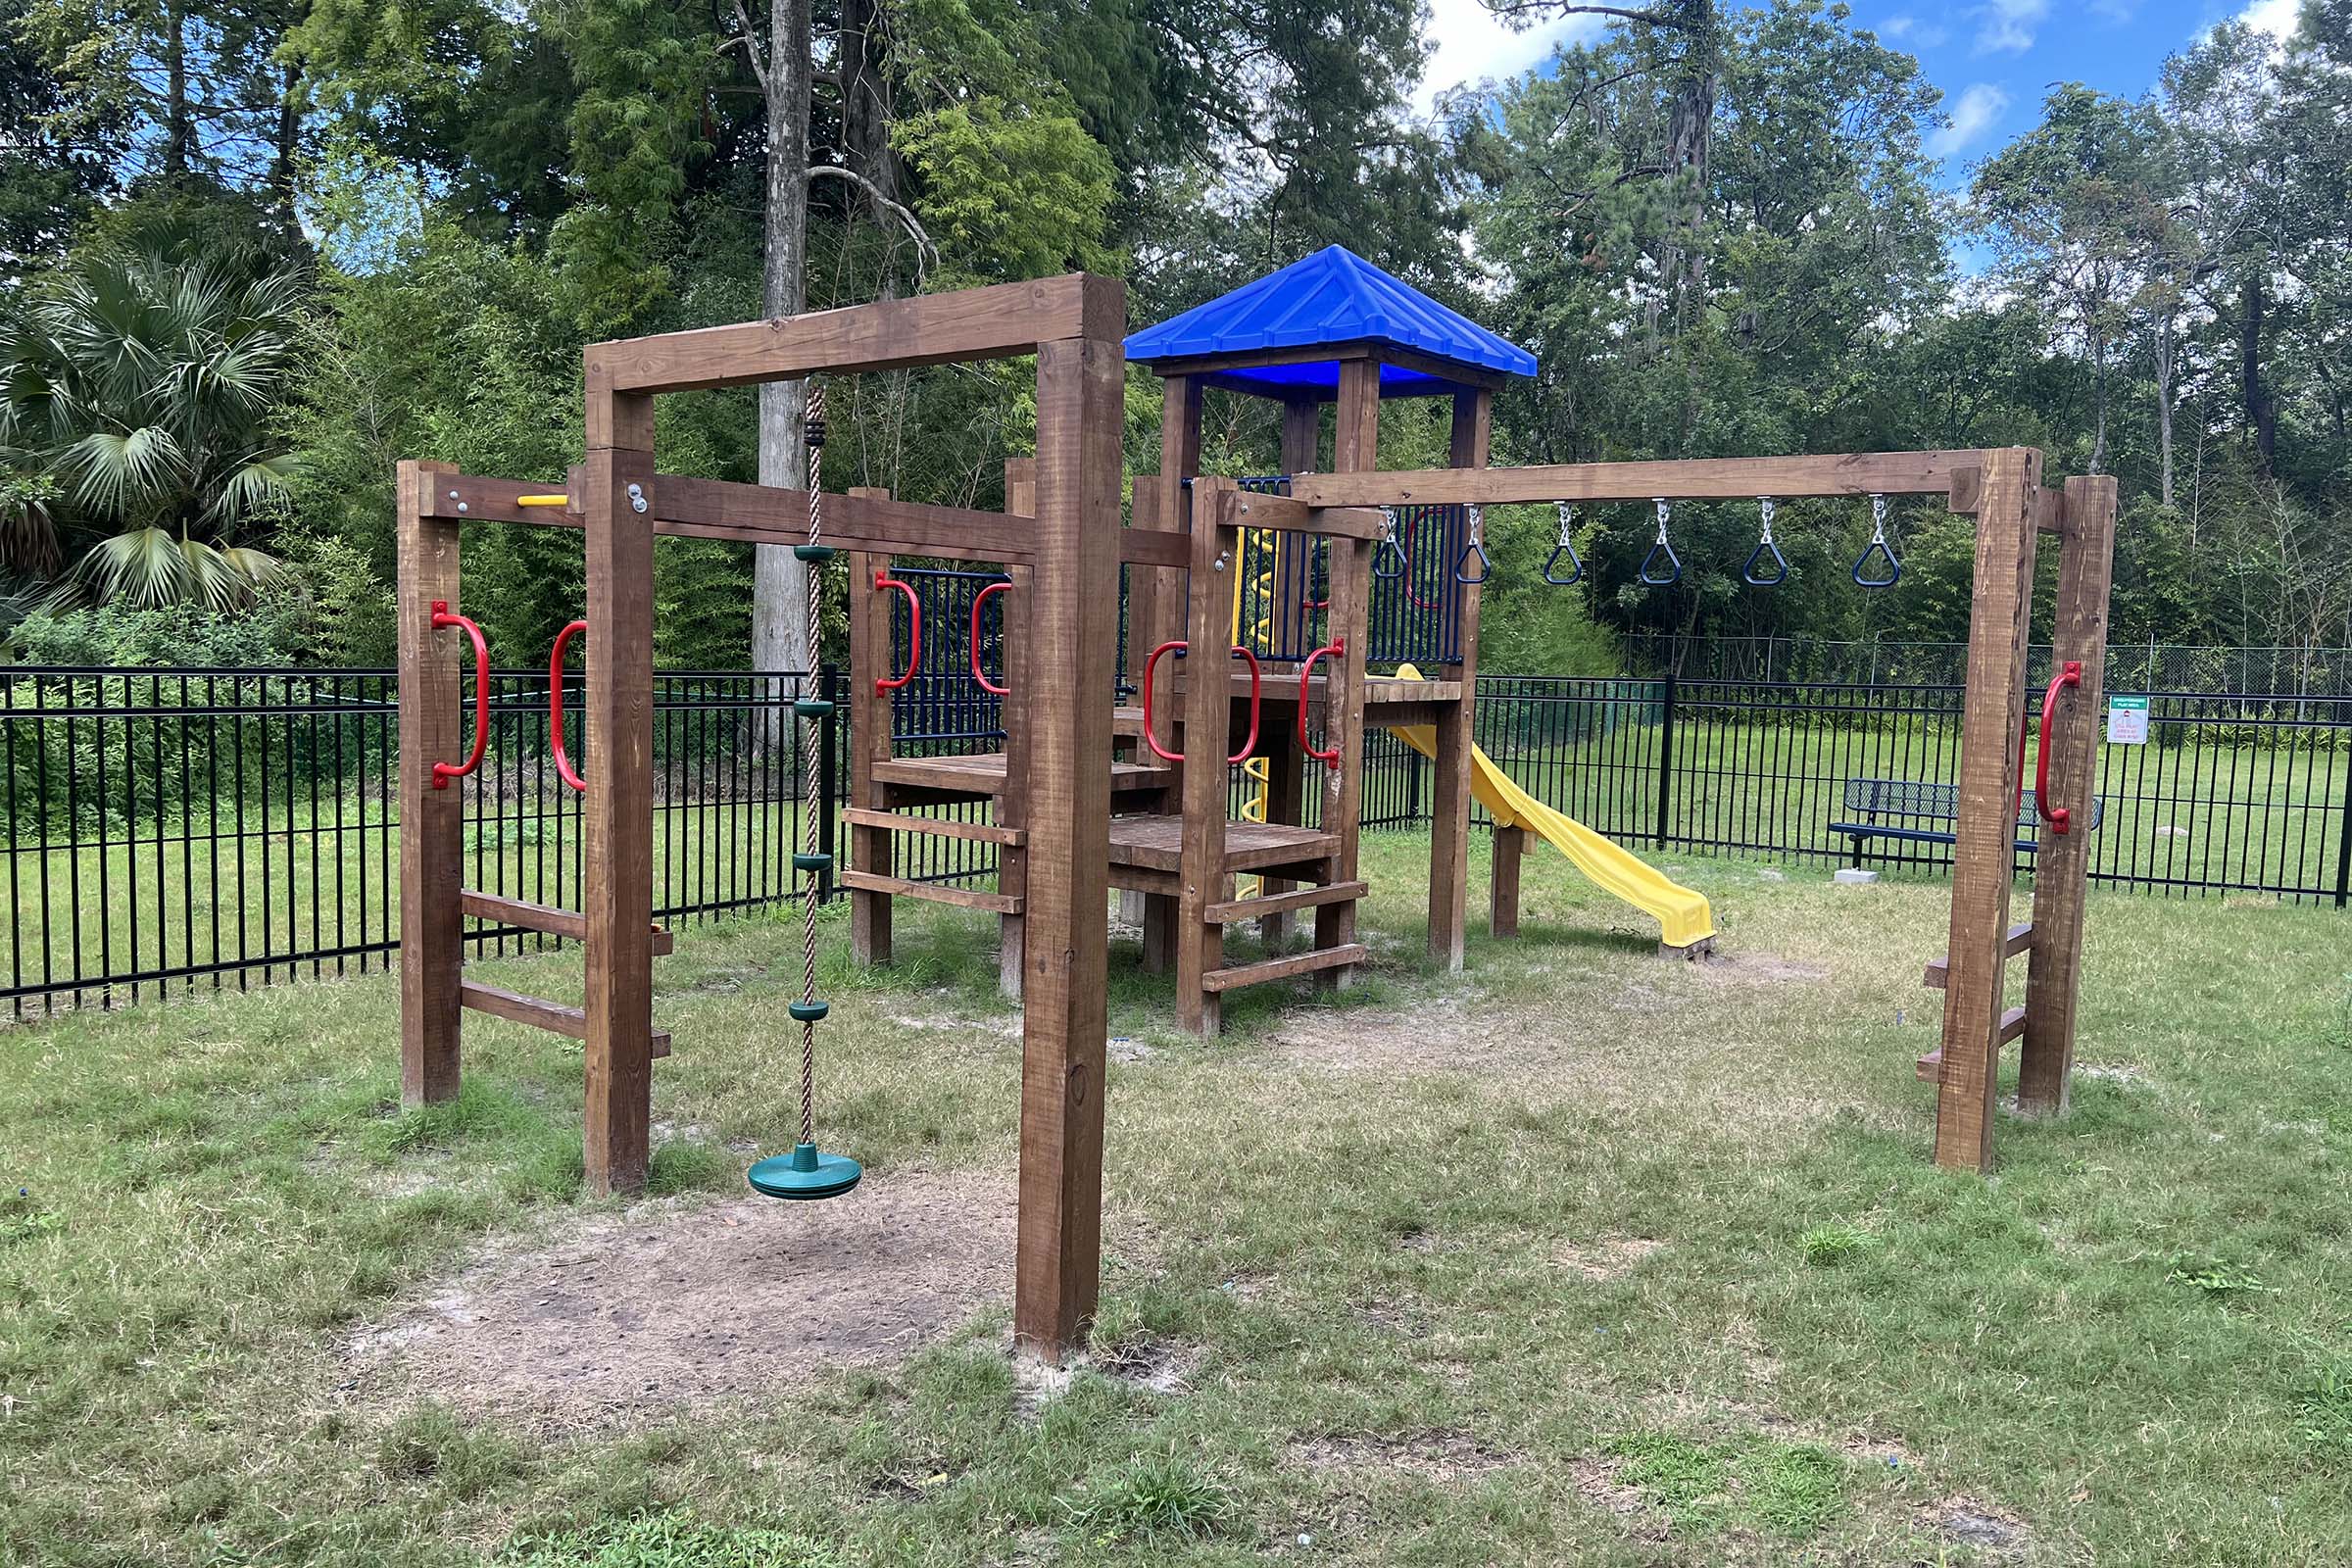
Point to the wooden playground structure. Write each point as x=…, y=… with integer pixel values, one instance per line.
x=1309, y=579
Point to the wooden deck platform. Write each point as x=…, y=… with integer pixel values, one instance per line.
x=979, y=773
x=1156, y=843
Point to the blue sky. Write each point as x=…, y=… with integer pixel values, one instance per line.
x=1993, y=59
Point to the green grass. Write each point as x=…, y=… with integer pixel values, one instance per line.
x=1579, y=1256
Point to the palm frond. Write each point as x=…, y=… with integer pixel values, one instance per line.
x=249, y=487
x=124, y=476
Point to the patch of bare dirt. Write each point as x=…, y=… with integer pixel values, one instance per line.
x=1966, y=1522
x=1606, y=1257
x=627, y=1316
x=1439, y=1455
x=1742, y=966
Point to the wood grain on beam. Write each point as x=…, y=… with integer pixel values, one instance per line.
x=1695, y=479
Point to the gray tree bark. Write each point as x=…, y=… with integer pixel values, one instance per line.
x=779, y=585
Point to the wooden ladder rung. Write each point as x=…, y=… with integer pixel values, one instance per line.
x=503, y=911
x=934, y=827
x=1929, y=1067
x=2020, y=938
x=899, y=887
x=1282, y=902
x=539, y=1012
x=1250, y=974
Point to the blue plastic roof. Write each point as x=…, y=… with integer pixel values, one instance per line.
x=1332, y=297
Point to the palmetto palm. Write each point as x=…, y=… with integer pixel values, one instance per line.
x=141, y=388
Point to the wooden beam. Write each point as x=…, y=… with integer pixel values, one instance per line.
x=1315, y=960
x=870, y=849
x=1472, y=438
x=2062, y=867
x=933, y=826
x=432, y=723
x=1986, y=825
x=1207, y=706
x=1253, y=509
x=1502, y=890
x=2020, y=938
x=1149, y=547
x=569, y=923
x=932, y=892
x=1074, y=606
x=1273, y=904
x=978, y=323
x=540, y=1013
x=1688, y=479
x=684, y=506
x=617, y=818
x=1014, y=605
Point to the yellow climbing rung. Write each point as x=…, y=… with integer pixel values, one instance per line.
x=543, y=501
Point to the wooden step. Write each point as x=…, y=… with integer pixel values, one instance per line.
x=2020, y=938
x=2013, y=1023
x=538, y=1012
x=1251, y=974
x=934, y=827
x=1233, y=910
x=899, y=887
x=541, y=917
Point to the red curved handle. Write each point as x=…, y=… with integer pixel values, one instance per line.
x=1330, y=759
x=979, y=599
x=1151, y=733
x=554, y=705
x=2069, y=675
x=914, y=632
x=443, y=772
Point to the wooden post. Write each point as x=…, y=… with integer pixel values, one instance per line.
x=432, y=822
x=1013, y=806
x=1450, y=811
x=1073, y=623
x=871, y=848
x=2007, y=499
x=2061, y=870
x=1278, y=744
x=1163, y=612
x=1502, y=914
x=618, y=819
x=1344, y=728
x=1207, y=724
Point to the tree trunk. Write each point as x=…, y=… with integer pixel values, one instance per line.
x=178, y=127
x=779, y=584
x=2168, y=357
x=2262, y=415
x=287, y=141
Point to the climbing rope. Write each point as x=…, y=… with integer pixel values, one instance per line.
x=1878, y=542
x=1566, y=547
x=1765, y=547
x=806, y=1173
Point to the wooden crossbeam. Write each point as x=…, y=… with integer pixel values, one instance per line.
x=1233, y=910
x=542, y=917
x=540, y=1013
x=2020, y=938
x=1244, y=508
x=899, y=887
x=1863, y=474
x=1929, y=1067
x=934, y=827
x=979, y=323
x=1297, y=963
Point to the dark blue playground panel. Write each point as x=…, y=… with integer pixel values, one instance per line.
x=1416, y=616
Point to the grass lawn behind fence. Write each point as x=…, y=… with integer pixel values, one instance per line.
x=1581, y=1256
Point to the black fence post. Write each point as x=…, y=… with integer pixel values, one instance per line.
x=2343, y=845
x=1665, y=759
x=829, y=731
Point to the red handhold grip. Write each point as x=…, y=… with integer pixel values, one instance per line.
x=443, y=772
x=914, y=632
x=1152, y=732
x=1330, y=759
x=554, y=705
x=2071, y=674
x=979, y=599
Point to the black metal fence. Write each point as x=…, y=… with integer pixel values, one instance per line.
x=173, y=829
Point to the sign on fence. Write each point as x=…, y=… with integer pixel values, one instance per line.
x=2126, y=721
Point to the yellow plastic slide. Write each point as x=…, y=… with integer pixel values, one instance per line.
x=1682, y=914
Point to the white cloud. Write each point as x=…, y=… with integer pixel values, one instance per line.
x=1474, y=43
x=1974, y=111
x=2007, y=27
x=2278, y=18
x=1896, y=26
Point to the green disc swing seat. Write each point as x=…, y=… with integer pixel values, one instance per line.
x=805, y=1173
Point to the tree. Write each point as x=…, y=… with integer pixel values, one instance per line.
x=137, y=389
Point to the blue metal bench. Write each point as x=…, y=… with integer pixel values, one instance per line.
x=1871, y=801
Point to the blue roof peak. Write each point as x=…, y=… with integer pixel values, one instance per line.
x=1328, y=299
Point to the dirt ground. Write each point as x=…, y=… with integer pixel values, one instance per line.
x=670, y=1305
